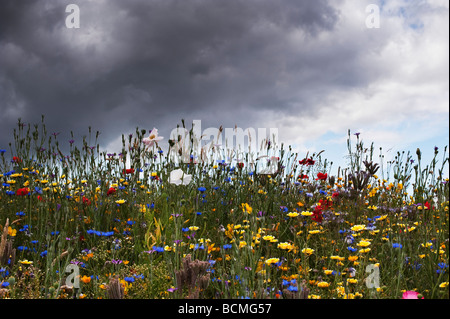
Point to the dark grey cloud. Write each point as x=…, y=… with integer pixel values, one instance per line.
x=152, y=63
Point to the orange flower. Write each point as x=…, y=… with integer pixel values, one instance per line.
x=86, y=279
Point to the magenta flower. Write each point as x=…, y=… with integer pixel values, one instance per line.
x=411, y=295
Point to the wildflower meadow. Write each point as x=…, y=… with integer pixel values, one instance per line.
x=145, y=223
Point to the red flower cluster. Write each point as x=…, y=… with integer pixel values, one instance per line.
x=325, y=203
x=317, y=214
x=16, y=159
x=321, y=176
x=428, y=206
x=302, y=176
x=23, y=191
x=86, y=201
x=110, y=191
x=307, y=161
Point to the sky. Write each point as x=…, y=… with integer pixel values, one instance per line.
x=312, y=69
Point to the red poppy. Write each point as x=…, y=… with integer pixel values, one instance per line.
x=240, y=165
x=39, y=197
x=307, y=161
x=317, y=214
x=16, y=159
x=335, y=194
x=427, y=205
x=86, y=201
x=302, y=176
x=110, y=191
x=128, y=171
x=23, y=191
x=321, y=176
x=325, y=203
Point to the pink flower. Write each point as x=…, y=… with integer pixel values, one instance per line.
x=152, y=138
x=411, y=295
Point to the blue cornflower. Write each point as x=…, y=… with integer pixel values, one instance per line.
x=395, y=245
x=292, y=288
x=227, y=246
x=129, y=279
x=201, y=189
x=158, y=249
x=352, y=249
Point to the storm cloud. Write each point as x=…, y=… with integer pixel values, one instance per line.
x=235, y=62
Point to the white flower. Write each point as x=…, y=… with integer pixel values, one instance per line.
x=152, y=138
x=178, y=177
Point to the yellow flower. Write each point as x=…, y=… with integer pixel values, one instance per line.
x=306, y=213
x=443, y=285
x=242, y=244
x=12, y=232
x=337, y=258
x=272, y=261
x=285, y=246
x=315, y=231
x=353, y=258
x=193, y=228
x=358, y=228
x=120, y=201
x=363, y=243
x=270, y=238
x=25, y=262
x=292, y=214
x=352, y=281
x=323, y=284
x=308, y=251
x=246, y=208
